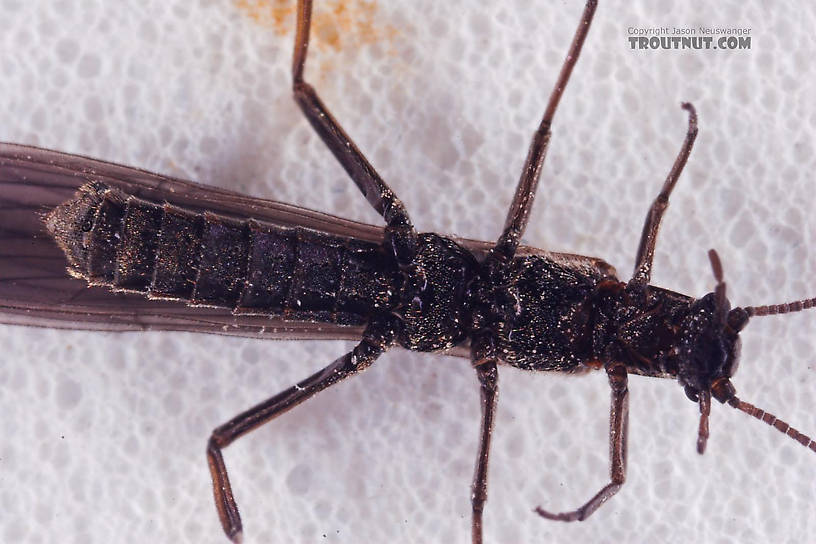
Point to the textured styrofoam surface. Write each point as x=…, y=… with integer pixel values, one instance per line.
x=103, y=435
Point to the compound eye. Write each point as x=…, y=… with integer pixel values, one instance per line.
x=737, y=319
x=691, y=393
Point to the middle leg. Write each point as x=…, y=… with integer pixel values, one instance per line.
x=522, y=204
x=489, y=384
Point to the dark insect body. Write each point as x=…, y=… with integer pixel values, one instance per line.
x=425, y=292
x=205, y=259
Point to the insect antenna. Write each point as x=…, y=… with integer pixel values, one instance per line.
x=785, y=308
x=722, y=389
x=772, y=420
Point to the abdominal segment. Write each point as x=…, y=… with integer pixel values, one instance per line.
x=206, y=259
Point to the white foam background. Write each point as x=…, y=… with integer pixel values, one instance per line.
x=103, y=435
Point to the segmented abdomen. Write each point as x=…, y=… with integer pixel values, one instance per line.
x=126, y=243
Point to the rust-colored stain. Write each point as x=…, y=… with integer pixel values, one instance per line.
x=336, y=24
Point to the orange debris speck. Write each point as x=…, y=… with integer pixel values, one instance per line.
x=278, y=14
x=336, y=24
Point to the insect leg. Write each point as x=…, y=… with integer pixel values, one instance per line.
x=374, y=343
x=648, y=239
x=376, y=191
x=489, y=382
x=618, y=429
x=522, y=204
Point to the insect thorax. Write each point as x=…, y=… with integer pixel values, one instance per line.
x=536, y=312
x=434, y=299
x=542, y=314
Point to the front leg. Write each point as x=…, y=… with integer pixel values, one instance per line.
x=618, y=428
x=648, y=238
